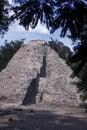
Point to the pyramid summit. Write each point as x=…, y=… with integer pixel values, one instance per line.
x=35, y=75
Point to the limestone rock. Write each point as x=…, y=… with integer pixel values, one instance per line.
x=36, y=74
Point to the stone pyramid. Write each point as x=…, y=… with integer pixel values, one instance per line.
x=36, y=74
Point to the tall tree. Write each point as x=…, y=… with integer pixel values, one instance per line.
x=7, y=51
x=63, y=51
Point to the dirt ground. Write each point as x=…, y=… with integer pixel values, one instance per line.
x=42, y=117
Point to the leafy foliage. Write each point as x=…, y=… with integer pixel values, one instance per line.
x=63, y=51
x=7, y=51
x=79, y=57
x=4, y=16
x=69, y=15
x=30, y=12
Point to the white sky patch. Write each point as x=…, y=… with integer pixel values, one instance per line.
x=11, y=13
x=10, y=1
x=38, y=29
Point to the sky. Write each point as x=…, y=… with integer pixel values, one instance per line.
x=17, y=32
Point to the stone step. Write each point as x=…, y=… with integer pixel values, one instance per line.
x=42, y=84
